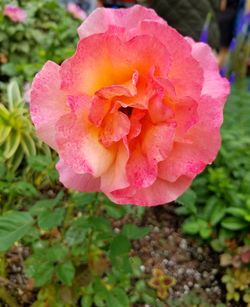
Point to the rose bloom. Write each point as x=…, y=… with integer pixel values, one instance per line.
x=135, y=112
x=76, y=11
x=15, y=13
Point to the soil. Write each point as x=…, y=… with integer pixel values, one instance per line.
x=194, y=266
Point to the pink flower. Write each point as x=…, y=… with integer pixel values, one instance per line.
x=135, y=112
x=15, y=13
x=76, y=11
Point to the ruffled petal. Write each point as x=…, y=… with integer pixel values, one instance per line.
x=79, y=182
x=160, y=192
x=214, y=85
x=79, y=146
x=48, y=102
x=93, y=68
x=103, y=19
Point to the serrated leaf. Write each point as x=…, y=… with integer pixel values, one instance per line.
x=48, y=220
x=119, y=246
x=40, y=272
x=117, y=298
x=11, y=144
x=23, y=188
x=13, y=226
x=133, y=232
x=56, y=252
x=45, y=204
x=13, y=93
x=65, y=272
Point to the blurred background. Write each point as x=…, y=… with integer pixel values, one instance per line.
x=200, y=245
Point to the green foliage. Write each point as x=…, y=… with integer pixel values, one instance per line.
x=48, y=33
x=194, y=299
x=17, y=133
x=237, y=284
x=218, y=206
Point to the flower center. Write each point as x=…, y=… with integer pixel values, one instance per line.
x=128, y=111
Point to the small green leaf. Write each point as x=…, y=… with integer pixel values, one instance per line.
x=191, y=226
x=234, y=223
x=56, y=252
x=217, y=214
x=119, y=246
x=65, y=272
x=13, y=226
x=51, y=219
x=41, y=272
x=188, y=200
x=14, y=95
x=45, y=204
x=133, y=232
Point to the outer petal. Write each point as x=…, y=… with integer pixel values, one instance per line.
x=159, y=193
x=214, y=85
x=102, y=18
x=48, y=102
x=79, y=182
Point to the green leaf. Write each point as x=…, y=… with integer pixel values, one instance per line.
x=191, y=226
x=217, y=213
x=113, y=210
x=117, y=298
x=41, y=272
x=119, y=246
x=11, y=144
x=56, y=253
x=239, y=212
x=133, y=232
x=77, y=232
x=51, y=219
x=23, y=188
x=234, y=223
x=45, y=204
x=14, y=226
x=83, y=199
x=188, y=200
x=65, y=272
x=100, y=224
x=14, y=95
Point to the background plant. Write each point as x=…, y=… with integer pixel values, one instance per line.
x=48, y=33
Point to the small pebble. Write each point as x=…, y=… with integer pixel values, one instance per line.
x=205, y=274
x=199, y=250
x=214, y=271
x=189, y=271
x=165, y=261
x=208, y=290
x=180, y=271
x=196, y=286
x=186, y=288
x=183, y=244
x=156, y=229
x=117, y=230
x=190, y=284
x=142, y=268
x=171, y=263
